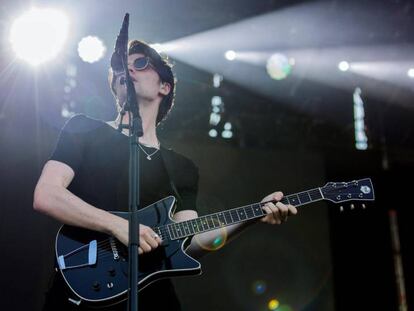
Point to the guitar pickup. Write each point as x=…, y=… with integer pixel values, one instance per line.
x=76, y=258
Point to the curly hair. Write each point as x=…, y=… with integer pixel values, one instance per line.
x=164, y=69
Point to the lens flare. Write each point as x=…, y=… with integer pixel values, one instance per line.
x=91, y=49
x=218, y=242
x=259, y=287
x=273, y=304
x=278, y=66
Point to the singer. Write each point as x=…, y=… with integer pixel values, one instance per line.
x=87, y=176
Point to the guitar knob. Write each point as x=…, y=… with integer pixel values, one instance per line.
x=364, y=206
x=111, y=271
x=110, y=285
x=341, y=208
x=96, y=286
x=352, y=206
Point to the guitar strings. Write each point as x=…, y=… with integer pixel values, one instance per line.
x=164, y=231
x=105, y=248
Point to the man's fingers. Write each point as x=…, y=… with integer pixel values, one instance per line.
x=279, y=212
x=278, y=195
x=145, y=246
x=273, y=214
x=150, y=239
x=283, y=210
x=293, y=210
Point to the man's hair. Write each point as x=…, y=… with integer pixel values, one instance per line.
x=162, y=66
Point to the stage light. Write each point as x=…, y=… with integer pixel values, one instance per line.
x=227, y=134
x=278, y=66
x=217, y=79
x=39, y=34
x=343, y=66
x=91, y=49
x=212, y=133
x=361, y=139
x=410, y=73
x=214, y=118
x=227, y=126
x=273, y=304
x=158, y=47
x=216, y=101
x=230, y=55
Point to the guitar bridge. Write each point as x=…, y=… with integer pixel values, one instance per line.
x=114, y=249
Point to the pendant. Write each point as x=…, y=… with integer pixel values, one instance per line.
x=148, y=157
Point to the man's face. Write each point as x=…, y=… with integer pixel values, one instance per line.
x=147, y=82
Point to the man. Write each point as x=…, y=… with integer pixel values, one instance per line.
x=87, y=176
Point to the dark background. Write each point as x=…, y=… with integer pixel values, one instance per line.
x=320, y=260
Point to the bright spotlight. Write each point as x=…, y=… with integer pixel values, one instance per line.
x=91, y=49
x=410, y=73
x=278, y=66
x=39, y=34
x=230, y=55
x=343, y=66
x=158, y=47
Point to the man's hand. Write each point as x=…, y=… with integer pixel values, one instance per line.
x=279, y=212
x=148, y=239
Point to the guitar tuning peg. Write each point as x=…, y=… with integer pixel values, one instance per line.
x=341, y=208
x=352, y=206
x=364, y=206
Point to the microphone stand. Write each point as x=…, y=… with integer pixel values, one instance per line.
x=135, y=131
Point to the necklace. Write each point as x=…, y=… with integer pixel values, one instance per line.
x=149, y=155
x=114, y=124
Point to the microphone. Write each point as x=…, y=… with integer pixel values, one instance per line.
x=120, y=52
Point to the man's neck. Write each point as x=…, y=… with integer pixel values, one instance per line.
x=148, y=115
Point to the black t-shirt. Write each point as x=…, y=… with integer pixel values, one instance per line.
x=99, y=156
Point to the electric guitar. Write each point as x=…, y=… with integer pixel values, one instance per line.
x=95, y=265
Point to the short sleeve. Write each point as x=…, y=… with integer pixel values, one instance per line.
x=188, y=190
x=70, y=146
x=183, y=174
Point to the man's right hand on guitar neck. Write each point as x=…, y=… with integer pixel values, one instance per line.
x=148, y=239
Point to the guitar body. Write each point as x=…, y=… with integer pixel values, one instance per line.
x=95, y=265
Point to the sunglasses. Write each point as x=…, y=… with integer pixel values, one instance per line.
x=142, y=63
x=139, y=64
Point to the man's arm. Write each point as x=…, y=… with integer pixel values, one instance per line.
x=52, y=198
x=203, y=242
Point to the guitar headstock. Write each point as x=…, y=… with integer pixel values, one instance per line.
x=356, y=190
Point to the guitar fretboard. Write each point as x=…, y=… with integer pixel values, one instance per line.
x=236, y=215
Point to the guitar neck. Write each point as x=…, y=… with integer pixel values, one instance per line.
x=233, y=216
